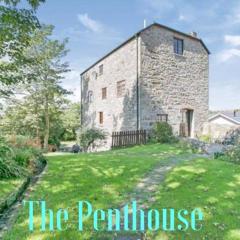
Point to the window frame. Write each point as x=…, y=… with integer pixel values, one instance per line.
x=104, y=93
x=177, y=47
x=90, y=96
x=162, y=117
x=100, y=69
x=121, y=88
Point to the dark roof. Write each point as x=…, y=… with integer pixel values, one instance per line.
x=228, y=115
x=142, y=30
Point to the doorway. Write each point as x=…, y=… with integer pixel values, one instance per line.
x=187, y=123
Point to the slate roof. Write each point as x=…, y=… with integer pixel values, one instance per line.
x=229, y=115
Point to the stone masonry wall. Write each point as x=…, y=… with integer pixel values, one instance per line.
x=171, y=82
x=119, y=113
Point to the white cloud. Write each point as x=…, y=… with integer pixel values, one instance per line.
x=232, y=39
x=227, y=54
x=90, y=23
x=181, y=17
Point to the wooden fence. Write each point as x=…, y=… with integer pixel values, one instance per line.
x=128, y=138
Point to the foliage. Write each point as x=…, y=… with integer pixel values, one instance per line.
x=17, y=27
x=71, y=121
x=205, y=138
x=232, y=154
x=89, y=136
x=162, y=133
x=41, y=108
x=8, y=167
x=16, y=161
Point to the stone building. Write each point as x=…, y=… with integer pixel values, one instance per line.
x=159, y=74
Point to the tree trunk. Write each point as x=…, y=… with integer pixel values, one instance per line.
x=47, y=124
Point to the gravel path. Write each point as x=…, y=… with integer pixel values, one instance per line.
x=144, y=193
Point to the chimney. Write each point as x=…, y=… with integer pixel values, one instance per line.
x=193, y=34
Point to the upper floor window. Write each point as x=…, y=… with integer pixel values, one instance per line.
x=178, y=46
x=104, y=93
x=94, y=74
x=90, y=96
x=101, y=69
x=121, y=88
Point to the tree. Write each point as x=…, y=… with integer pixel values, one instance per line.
x=44, y=95
x=46, y=55
x=71, y=121
x=17, y=27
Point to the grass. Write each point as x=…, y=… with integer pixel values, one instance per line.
x=213, y=186
x=8, y=186
x=104, y=179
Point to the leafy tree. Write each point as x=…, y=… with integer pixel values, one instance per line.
x=17, y=27
x=71, y=121
x=41, y=108
x=46, y=54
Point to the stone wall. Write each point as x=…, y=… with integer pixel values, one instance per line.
x=171, y=82
x=167, y=82
x=119, y=113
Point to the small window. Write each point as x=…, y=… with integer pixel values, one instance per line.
x=90, y=96
x=101, y=117
x=178, y=46
x=101, y=69
x=94, y=74
x=121, y=88
x=162, y=117
x=104, y=93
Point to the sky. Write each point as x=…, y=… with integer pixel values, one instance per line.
x=94, y=27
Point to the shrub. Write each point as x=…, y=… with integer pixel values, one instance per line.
x=18, y=161
x=89, y=136
x=233, y=154
x=8, y=167
x=162, y=133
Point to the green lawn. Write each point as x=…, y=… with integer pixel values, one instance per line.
x=106, y=178
x=211, y=185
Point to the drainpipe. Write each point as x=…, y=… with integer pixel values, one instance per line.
x=137, y=90
x=81, y=108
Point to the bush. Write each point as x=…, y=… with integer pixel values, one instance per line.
x=8, y=167
x=18, y=161
x=162, y=133
x=233, y=154
x=89, y=136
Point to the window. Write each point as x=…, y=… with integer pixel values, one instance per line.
x=101, y=69
x=178, y=46
x=101, y=117
x=94, y=74
x=121, y=88
x=90, y=96
x=104, y=93
x=162, y=117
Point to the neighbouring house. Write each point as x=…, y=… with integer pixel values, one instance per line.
x=158, y=74
x=220, y=123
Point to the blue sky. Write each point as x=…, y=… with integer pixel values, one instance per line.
x=95, y=27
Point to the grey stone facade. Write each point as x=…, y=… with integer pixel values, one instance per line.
x=158, y=81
